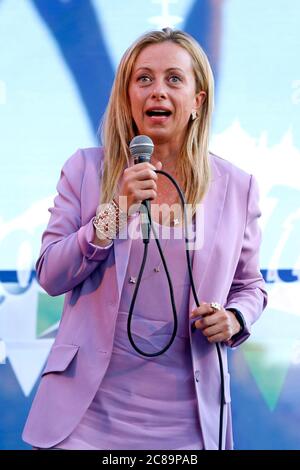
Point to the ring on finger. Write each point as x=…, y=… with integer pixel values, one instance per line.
x=216, y=306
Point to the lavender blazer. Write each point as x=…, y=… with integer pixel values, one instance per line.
x=225, y=270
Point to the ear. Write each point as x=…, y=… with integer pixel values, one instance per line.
x=199, y=100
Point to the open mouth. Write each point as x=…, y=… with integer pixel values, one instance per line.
x=158, y=113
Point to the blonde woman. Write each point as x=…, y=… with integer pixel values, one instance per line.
x=96, y=391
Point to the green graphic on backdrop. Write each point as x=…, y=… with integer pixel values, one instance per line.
x=49, y=312
x=269, y=374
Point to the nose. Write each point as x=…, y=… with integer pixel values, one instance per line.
x=158, y=94
x=158, y=91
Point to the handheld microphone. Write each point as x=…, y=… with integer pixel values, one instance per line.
x=141, y=148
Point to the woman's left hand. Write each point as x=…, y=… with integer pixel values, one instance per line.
x=216, y=325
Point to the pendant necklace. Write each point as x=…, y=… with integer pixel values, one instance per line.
x=156, y=269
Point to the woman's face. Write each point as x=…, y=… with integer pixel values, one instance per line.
x=162, y=92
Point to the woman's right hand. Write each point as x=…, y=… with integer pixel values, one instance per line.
x=138, y=183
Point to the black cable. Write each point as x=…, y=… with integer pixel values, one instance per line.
x=158, y=353
x=146, y=241
x=222, y=400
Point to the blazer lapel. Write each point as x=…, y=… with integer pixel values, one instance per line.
x=208, y=217
x=122, y=246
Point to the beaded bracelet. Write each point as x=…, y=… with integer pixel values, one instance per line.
x=109, y=221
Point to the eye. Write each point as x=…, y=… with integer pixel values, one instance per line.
x=144, y=79
x=175, y=79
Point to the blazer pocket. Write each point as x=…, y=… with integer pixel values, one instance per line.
x=60, y=357
x=227, y=396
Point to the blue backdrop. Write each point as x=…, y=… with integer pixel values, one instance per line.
x=57, y=62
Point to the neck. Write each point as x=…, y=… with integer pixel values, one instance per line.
x=167, y=155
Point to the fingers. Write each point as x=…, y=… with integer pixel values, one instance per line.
x=217, y=332
x=146, y=194
x=215, y=325
x=158, y=165
x=142, y=173
x=145, y=166
x=139, y=183
x=146, y=184
x=203, y=310
x=218, y=338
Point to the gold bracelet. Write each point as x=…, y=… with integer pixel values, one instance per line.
x=109, y=220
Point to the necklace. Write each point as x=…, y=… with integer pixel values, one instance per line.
x=156, y=269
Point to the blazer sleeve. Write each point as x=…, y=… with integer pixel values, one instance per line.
x=68, y=255
x=247, y=292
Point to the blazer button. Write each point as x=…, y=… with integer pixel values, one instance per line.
x=197, y=375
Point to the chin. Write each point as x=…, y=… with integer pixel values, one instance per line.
x=159, y=140
x=159, y=137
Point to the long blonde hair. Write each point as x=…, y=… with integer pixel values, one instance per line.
x=118, y=126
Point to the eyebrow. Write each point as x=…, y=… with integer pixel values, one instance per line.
x=167, y=70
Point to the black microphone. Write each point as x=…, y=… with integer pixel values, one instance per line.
x=141, y=148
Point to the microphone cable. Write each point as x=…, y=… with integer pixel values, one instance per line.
x=146, y=239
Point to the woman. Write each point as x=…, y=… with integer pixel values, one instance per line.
x=96, y=392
